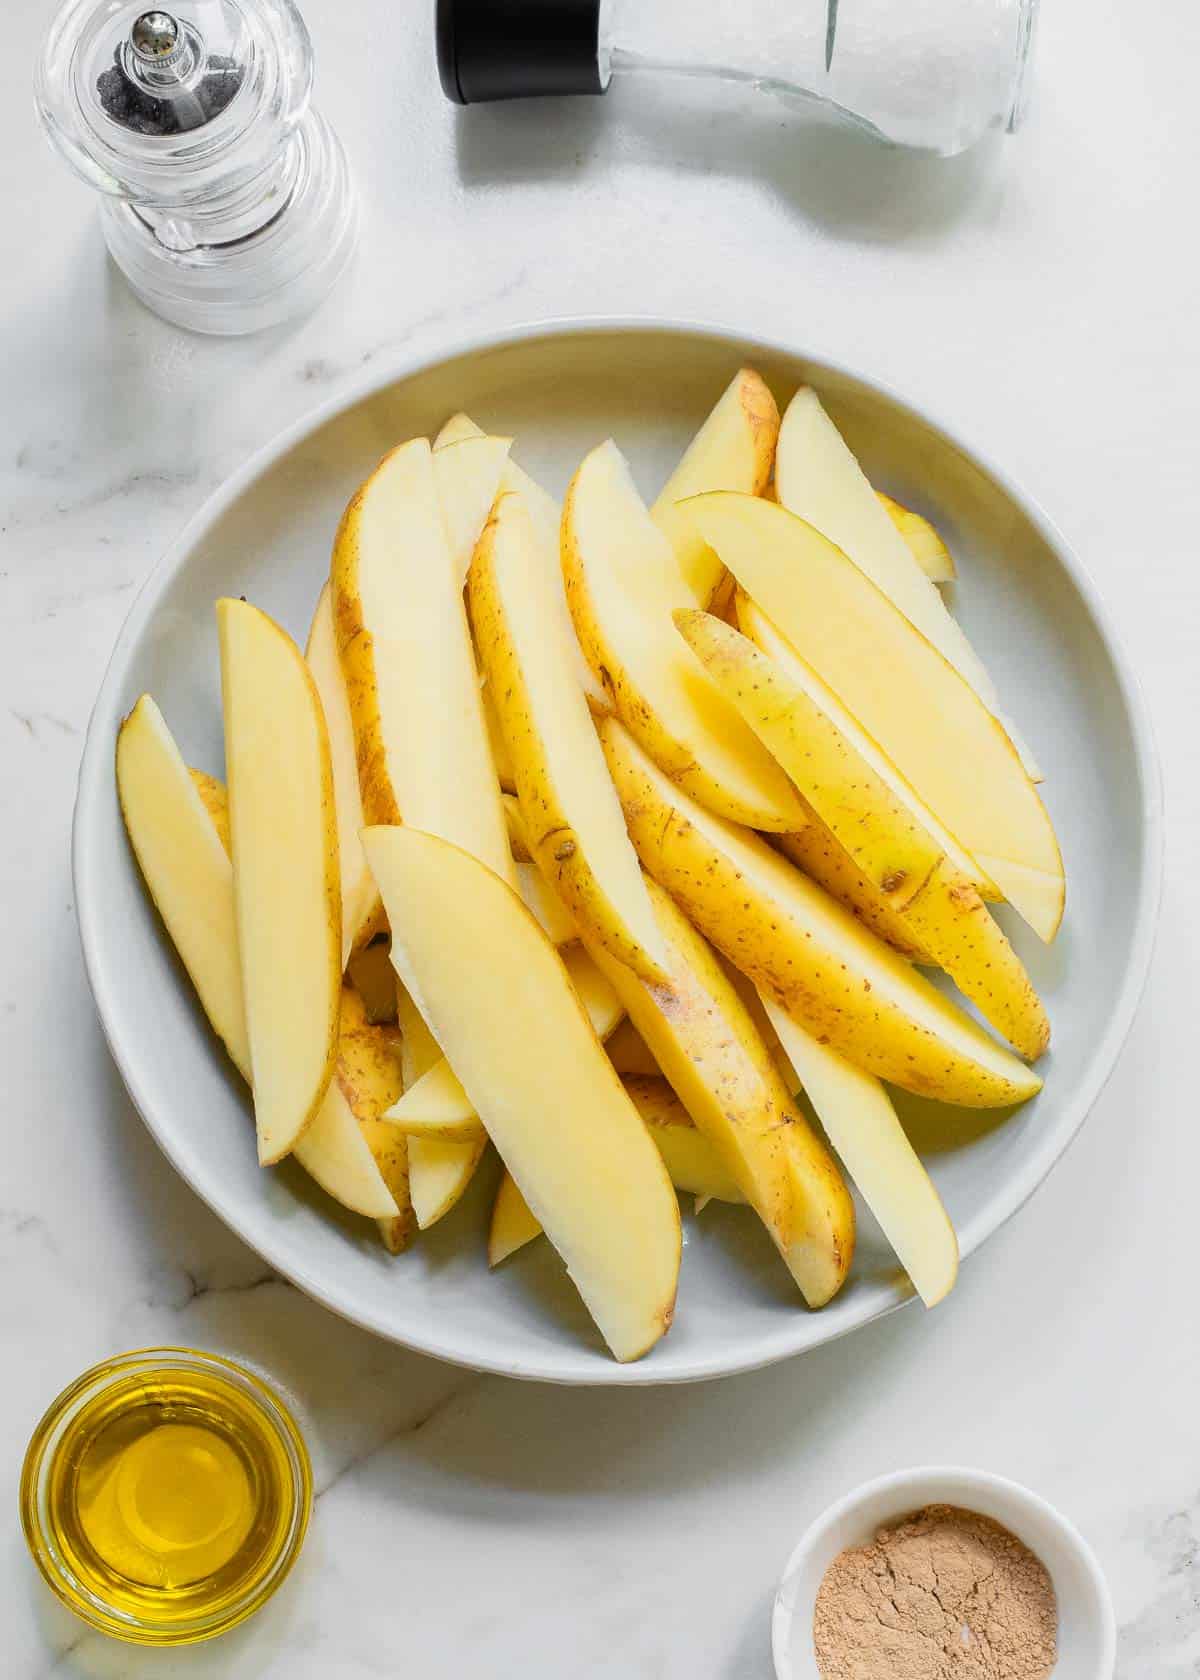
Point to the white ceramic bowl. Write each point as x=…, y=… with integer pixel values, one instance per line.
x=1024, y=601
x=1087, y=1635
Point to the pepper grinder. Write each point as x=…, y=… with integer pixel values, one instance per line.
x=225, y=197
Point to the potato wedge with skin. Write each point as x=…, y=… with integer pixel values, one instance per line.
x=192, y=886
x=804, y=950
x=179, y=848
x=499, y=1001
x=286, y=880
x=337, y=1150
x=572, y=820
x=709, y=1050
x=921, y=539
x=216, y=802
x=546, y=517
x=695, y=1167
x=405, y=650
x=504, y=770
x=623, y=584
x=863, y=1127
x=931, y=725
x=814, y=850
x=818, y=478
x=733, y=450
x=467, y=475
x=362, y=913
x=879, y=822
x=436, y=1106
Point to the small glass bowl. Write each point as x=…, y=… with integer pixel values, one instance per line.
x=261, y=1411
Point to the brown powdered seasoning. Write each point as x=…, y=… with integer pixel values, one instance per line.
x=943, y=1594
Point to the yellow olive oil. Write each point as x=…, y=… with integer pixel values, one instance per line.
x=170, y=1499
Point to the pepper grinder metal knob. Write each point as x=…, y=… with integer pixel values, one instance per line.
x=225, y=197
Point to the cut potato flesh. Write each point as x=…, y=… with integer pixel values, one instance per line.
x=879, y=822
x=921, y=539
x=733, y=450
x=439, y=1168
x=286, y=882
x=712, y=1055
x=361, y=909
x=186, y=868
x=173, y=838
x=693, y=1164
x=405, y=650
x=818, y=478
x=437, y=1106
x=544, y=511
x=926, y=719
x=500, y=1003
x=623, y=584
x=374, y=979
x=572, y=819
x=467, y=475
x=512, y=1223
x=863, y=1127
x=806, y=951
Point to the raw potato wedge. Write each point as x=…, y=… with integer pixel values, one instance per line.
x=211, y=791
x=921, y=539
x=814, y=850
x=501, y=1005
x=629, y=1053
x=931, y=725
x=172, y=834
x=512, y=1223
x=693, y=1164
x=467, y=475
x=286, y=882
x=371, y=974
x=880, y=824
x=573, y=823
x=545, y=514
x=733, y=450
x=405, y=650
x=862, y=1125
x=362, y=913
x=818, y=478
x=622, y=586
x=709, y=1050
x=436, y=1106
x=439, y=1168
x=804, y=950
x=180, y=845
x=495, y=735
x=336, y=1150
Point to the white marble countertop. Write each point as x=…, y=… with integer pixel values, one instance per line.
x=1043, y=294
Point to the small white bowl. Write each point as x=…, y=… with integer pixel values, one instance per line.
x=1087, y=1634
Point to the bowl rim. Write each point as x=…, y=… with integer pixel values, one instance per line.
x=96, y=766
x=919, y=1480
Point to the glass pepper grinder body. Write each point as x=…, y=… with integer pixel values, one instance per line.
x=226, y=200
x=929, y=75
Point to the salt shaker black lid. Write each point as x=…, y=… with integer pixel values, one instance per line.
x=515, y=49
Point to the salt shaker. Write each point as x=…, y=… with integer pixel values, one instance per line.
x=225, y=197
x=930, y=75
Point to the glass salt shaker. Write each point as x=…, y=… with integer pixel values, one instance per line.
x=930, y=75
x=225, y=197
